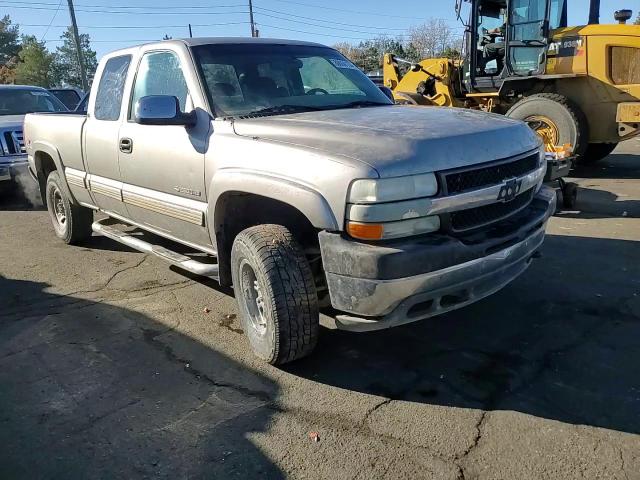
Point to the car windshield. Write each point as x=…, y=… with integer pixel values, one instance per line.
x=23, y=101
x=272, y=79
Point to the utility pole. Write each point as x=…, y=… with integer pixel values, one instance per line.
x=190, y=32
x=76, y=37
x=253, y=25
x=594, y=12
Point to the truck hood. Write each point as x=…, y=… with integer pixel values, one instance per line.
x=398, y=140
x=11, y=121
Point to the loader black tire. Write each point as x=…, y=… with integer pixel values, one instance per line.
x=71, y=222
x=596, y=152
x=276, y=294
x=569, y=120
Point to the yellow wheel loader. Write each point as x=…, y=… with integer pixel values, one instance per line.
x=578, y=87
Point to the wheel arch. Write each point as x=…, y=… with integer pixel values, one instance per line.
x=46, y=159
x=239, y=200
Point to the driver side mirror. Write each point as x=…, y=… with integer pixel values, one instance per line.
x=388, y=93
x=162, y=110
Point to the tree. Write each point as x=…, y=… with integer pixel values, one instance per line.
x=432, y=38
x=66, y=70
x=637, y=22
x=9, y=48
x=34, y=66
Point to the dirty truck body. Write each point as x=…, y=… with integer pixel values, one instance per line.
x=574, y=85
x=305, y=185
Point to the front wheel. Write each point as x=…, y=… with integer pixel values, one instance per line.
x=71, y=222
x=276, y=294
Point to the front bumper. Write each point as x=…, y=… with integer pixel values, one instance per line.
x=381, y=286
x=10, y=167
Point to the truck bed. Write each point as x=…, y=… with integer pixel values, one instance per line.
x=61, y=132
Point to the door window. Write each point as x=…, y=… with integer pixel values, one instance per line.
x=159, y=73
x=527, y=35
x=111, y=88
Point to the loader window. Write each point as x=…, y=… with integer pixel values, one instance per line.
x=625, y=65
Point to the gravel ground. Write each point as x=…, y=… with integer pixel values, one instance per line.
x=110, y=367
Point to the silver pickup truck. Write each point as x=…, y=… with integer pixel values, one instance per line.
x=288, y=174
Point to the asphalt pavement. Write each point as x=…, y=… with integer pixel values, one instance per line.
x=115, y=365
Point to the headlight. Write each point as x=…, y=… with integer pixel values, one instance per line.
x=393, y=189
x=377, y=208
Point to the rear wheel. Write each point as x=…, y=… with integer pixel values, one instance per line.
x=276, y=294
x=555, y=118
x=597, y=151
x=71, y=222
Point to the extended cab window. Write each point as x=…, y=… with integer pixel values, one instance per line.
x=111, y=88
x=159, y=73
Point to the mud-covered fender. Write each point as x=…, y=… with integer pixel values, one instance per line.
x=308, y=201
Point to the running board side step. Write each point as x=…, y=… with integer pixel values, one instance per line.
x=175, y=258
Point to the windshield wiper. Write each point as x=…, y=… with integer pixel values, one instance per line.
x=282, y=109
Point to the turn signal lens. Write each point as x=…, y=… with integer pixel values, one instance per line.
x=365, y=231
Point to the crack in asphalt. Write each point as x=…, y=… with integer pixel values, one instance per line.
x=112, y=277
x=150, y=336
x=476, y=440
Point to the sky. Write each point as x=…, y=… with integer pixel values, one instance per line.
x=120, y=23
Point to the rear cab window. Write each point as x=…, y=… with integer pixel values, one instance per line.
x=108, y=103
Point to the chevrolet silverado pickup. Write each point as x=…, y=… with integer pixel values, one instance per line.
x=15, y=102
x=277, y=167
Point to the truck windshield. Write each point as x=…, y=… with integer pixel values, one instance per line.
x=271, y=79
x=23, y=101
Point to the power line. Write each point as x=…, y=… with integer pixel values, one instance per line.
x=324, y=20
x=52, y=19
x=323, y=26
x=154, y=7
x=324, y=7
x=314, y=33
x=84, y=10
x=136, y=27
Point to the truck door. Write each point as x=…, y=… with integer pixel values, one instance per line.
x=101, y=136
x=162, y=166
x=527, y=36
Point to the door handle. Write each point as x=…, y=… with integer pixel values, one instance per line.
x=126, y=145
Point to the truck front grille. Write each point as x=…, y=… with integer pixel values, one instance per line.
x=464, y=220
x=458, y=181
x=13, y=142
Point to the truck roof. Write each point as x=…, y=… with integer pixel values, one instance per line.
x=192, y=42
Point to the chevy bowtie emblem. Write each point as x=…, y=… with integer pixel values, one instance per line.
x=509, y=190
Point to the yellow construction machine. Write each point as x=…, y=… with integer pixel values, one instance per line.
x=578, y=87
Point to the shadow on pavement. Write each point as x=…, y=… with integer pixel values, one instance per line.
x=595, y=203
x=559, y=343
x=90, y=390
x=615, y=166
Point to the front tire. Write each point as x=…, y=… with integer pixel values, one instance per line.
x=555, y=118
x=71, y=222
x=276, y=294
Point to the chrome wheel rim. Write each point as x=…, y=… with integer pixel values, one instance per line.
x=58, y=208
x=252, y=298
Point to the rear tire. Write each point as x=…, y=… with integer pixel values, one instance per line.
x=276, y=294
x=596, y=152
x=568, y=121
x=71, y=222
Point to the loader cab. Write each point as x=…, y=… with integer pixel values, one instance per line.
x=506, y=39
